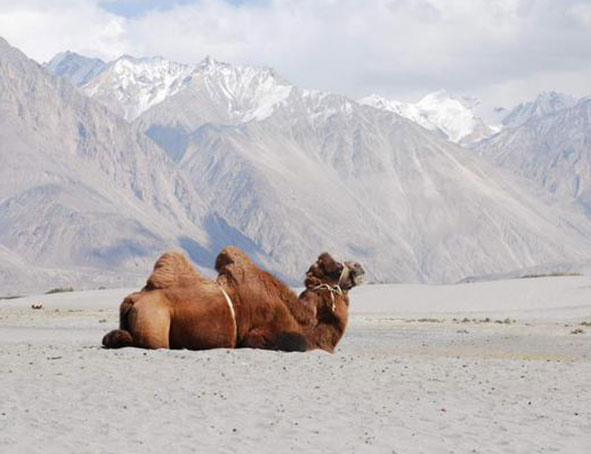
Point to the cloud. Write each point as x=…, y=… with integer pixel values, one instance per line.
x=41, y=29
x=402, y=48
x=136, y=8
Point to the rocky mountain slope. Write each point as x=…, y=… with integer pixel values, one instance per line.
x=319, y=171
x=544, y=104
x=223, y=154
x=554, y=150
x=79, y=189
x=74, y=67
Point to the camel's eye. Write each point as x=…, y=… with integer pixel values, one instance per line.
x=334, y=273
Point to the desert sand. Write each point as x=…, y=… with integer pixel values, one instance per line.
x=491, y=367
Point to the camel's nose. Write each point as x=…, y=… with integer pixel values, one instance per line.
x=356, y=267
x=357, y=272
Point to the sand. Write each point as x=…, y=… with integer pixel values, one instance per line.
x=421, y=369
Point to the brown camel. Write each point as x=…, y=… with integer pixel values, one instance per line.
x=246, y=307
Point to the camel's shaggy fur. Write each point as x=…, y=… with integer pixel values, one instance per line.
x=180, y=308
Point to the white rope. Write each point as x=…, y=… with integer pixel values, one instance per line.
x=332, y=289
x=345, y=270
x=231, y=306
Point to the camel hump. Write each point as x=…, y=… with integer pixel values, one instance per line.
x=173, y=269
x=231, y=255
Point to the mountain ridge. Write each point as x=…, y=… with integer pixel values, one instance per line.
x=553, y=150
x=239, y=155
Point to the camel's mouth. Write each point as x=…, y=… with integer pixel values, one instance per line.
x=358, y=280
x=356, y=273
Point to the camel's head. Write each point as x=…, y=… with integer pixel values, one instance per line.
x=327, y=270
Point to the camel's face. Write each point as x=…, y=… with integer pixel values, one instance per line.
x=356, y=273
x=327, y=270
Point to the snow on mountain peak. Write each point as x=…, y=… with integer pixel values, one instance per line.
x=249, y=93
x=455, y=119
x=438, y=111
x=130, y=85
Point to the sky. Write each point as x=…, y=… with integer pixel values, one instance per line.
x=502, y=51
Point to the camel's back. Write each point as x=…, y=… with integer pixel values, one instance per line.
x=265, y=297
x=174, y=270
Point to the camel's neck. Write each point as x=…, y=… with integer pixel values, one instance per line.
x=250, y=306
x=330, y=324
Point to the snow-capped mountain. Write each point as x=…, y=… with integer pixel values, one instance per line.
x=321, y=171
x=544, y=104
x=453, y=118
x=75, y=67
x=129, y=86
x=218, y=93
x=553, y=149
x=406, y=110
x=235, y=154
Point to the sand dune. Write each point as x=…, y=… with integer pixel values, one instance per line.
x=407, y=378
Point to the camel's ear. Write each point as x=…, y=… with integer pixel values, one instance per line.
x=328, y=264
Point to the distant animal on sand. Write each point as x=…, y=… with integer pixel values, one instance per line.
x=246, y=307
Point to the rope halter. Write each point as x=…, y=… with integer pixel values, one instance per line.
x=344, y=273
x=332, y=289
x=335, y=289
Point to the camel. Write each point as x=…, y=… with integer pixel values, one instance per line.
x=246, y=307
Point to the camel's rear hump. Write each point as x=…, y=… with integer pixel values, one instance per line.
x=173, y=269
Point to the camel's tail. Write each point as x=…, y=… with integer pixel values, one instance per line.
x=119, y=338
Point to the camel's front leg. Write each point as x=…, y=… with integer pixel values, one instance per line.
x=267, y=340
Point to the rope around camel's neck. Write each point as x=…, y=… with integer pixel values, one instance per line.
x=335, y=289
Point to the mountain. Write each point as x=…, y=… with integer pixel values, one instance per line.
x=452, y=118
x=552, y=149
x=80, y=191
x=544, y=104
x=129, y=86
x=218, y=93
x=319, y=171
x=77, y=68
x=236, y=154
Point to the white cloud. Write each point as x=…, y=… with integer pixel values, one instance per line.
x=41, y=29
x=394, y=47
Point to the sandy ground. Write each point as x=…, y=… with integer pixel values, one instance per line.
x=475, y=368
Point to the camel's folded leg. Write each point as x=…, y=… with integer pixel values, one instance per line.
x=284, y=341
x=149, y=321
x=118, y=338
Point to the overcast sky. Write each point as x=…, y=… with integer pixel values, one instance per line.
x=502, y=51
